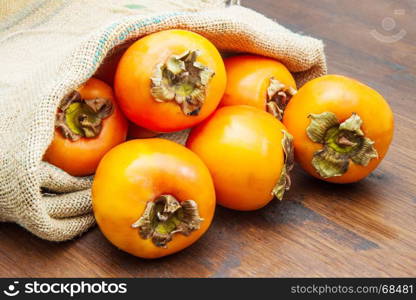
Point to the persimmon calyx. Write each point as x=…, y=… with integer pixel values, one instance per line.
x=278, y=96
x=77, y=117
x=343, y=141
x=284, y=181
x=166, y=216
x=182, y=79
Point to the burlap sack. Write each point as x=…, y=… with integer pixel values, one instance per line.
x=49, y=47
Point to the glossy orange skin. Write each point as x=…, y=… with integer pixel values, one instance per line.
x=248, y=77
x=342, y=96
x=241, y=145
x=81, y=157
x=137, y=132
x=138, y=171
x=136, y=67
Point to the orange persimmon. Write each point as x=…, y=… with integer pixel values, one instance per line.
x=88, y=124
x=341, y=128
x=152, y=197
x=249, y=155
x=170, y=80
x=258, y=81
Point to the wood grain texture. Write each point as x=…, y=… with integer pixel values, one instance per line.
x=364, y=229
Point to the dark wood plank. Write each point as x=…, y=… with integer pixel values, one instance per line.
x=362, y=229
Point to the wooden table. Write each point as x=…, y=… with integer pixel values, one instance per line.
x=362, y=229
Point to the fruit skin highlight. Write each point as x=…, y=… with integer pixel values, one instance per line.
x=242, y=147
x=344, y=99
x=81, y=157
x=138, y=172
x=150, y=98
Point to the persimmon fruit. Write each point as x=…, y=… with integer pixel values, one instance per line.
x=249, y=155
x=170, y=80
x=342, y=128
x=88, y=124
x=152, y=197
x=258, y=81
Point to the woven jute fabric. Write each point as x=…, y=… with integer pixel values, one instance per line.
x=50, y=47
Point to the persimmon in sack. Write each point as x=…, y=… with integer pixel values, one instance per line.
x=152, y=197
x=342, y=128
x=170, y=80
x=258, y=81
x=88, y=124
